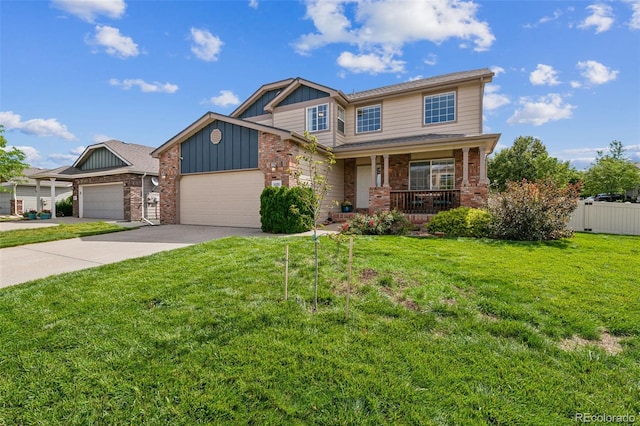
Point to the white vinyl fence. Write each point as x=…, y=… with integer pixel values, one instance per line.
x=606, y=218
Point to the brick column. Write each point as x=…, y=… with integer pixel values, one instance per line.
x=169, y=181
x=379, y=199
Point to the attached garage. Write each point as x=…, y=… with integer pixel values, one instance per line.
x=222, y=199
x=102, y=201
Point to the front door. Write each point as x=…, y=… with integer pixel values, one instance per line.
x=363, y=183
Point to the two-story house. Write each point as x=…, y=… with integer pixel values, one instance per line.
x=417, y=147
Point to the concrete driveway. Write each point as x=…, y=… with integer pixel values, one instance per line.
x=25, y=263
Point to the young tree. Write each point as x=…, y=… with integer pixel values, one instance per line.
x=612, y=173
x=312, y=172
x=528, y=159
x=12, y=163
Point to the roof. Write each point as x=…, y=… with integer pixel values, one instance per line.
x=137, y=158
x=421, y=84
x=27, y=180
x=210, y=117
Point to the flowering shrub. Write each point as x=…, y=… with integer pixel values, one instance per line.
x=533, y=211
x=380, y=223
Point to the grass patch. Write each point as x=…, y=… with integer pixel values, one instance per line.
x=441, y=331
x=20, y=237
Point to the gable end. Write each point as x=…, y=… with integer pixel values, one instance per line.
x=303, y=94
x=101, y=158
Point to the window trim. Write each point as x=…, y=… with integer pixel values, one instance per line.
x=430, y=161
x=379, y=105
x=327, y=119
x=343, y=119
x=431, y=95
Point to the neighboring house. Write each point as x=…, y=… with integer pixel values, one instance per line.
x=417, y=147
x=112, y=180
x=24, y=192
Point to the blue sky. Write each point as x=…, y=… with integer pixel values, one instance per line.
x=77, y=72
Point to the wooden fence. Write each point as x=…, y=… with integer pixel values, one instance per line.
x=606, y=218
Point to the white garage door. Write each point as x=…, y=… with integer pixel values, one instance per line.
x=222, y=199
x=102, y=201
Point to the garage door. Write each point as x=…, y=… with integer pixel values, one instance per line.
x=102, y=201
x=222, y=199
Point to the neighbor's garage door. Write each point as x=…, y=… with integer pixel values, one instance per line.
x=102, y=201
x=222, y=199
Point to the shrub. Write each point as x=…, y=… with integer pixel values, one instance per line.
x=280, y=210
x=533, y=211
x=380, y=223
x=461, y=222
x=65, y=207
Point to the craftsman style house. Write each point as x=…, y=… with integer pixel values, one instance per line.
x=416, y=146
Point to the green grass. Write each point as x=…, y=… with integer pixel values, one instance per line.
x=20, y=237
x=441, y=332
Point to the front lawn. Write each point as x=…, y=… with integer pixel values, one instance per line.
x=20, y=237
x=441, y=331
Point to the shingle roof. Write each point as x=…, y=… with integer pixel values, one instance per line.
x=138, y=155
x=423, y=83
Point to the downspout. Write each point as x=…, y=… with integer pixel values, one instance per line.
x=144, y=201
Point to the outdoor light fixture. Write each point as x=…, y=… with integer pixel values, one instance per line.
x=273, y=167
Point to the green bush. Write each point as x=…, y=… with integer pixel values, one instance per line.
x=533, y=211
x=461, y=222
x=65, y=207
x=380, y=223
x=282, y=210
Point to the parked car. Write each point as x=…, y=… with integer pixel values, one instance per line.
x=608, y=197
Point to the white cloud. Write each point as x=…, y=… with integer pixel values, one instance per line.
x=144, y=87
x=101, y=138
x=369, y=63
x=492, y=99
x=88, y=10
x=77, y=150
x=206, y=46
x=601, y=18
x=544, y=75
x=32, y=156
x=575, y=84
x=63, y=158
x=253, y=4
x=596, y=73
x=634, y=22
x=432, y=59
x=497, y=70
x=537, y=112
x=114, y=43
x=35, y=126
x=556, y=14
x=225, y=99
x=380, y=29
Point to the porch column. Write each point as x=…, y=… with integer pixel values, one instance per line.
x=386, y=170
x=483, y=165
x=37, y=194
x=465, y=166
x=373, y=172
x=53, y=198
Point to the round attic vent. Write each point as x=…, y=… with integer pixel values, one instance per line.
x=216, y=136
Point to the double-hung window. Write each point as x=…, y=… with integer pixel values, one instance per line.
x=341, y=119
x=430, y=175
x=440, y=108
x=318, y=118
x=368, y=119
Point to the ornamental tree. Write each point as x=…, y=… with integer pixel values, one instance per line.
x=611, y=173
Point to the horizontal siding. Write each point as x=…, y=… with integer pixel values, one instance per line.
x=28, y=196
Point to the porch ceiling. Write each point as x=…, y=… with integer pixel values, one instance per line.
x=414, y=144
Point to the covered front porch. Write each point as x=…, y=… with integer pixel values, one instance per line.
x=416, y=177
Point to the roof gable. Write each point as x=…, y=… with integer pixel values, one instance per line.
x=99, y=158
x=254, y=105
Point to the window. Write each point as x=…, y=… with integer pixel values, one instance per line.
x=340, y=119
x=440, y=108
x=317, y=118
x=368, y=119
x=431, y=175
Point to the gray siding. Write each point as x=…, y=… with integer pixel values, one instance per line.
x=257, y=108
x=101, y=158
x=237, y=150
x=303, y=94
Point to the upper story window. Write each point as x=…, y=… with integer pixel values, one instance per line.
x=440, y=108
x=368, y=119
x=318, y=118
x=341, y=116
x=431, y=175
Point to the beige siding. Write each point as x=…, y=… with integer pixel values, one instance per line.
x=294, y=118
x=607, y=218
x=335, y=178
x=403, y=116
x=28, y=196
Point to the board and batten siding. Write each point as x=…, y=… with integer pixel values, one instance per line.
x=101, y=158
x=404, y=116
x=237, y=150
x=257, y=108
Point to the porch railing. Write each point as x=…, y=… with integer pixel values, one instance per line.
x=425, y=202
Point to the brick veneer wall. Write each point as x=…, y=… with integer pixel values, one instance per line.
x=379, y=199
x=399, y=174
x=474, y=194
x=350, y=180
x=169, y=184
x=132, y=191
